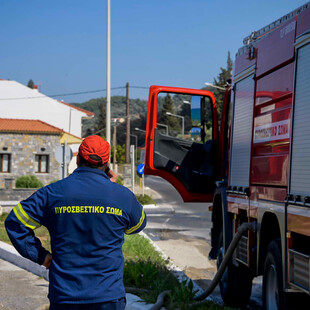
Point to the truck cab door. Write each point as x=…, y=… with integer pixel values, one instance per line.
x=182, y=140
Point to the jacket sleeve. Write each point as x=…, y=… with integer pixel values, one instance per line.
x=137, y=218
x=21, y=223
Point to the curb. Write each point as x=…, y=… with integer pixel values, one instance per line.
x=151, y=206
x=8, y=253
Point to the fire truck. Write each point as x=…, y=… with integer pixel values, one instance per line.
x=253, y=166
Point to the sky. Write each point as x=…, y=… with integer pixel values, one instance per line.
x=61, y=44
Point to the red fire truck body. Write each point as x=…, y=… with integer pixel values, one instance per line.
x=257, y=169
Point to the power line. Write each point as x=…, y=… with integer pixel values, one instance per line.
x=143, y=87
x=119, y=93
x=66, y=94
x=73, y=94
x=85, y=92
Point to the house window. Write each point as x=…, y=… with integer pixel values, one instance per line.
x=5, y=162
x=41, y=165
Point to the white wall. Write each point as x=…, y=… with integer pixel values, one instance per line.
x=35, y=105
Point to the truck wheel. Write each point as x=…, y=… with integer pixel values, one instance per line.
x=274, y=297
x=236, y=282
x=273, y=293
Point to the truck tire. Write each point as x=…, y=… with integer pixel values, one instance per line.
x=236, y=282
x=274, y=296
x=273, y=293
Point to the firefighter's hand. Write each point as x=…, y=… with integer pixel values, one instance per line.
x=47, y=261
x=112, y=175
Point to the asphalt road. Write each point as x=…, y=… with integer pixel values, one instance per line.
x=182, y=231
x=190, y=219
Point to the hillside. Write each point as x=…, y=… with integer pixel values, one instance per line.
x=137, y=108
x=118, y=106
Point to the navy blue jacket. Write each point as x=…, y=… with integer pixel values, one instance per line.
x=86, y=215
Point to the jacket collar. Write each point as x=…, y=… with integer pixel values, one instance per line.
x=91, y=170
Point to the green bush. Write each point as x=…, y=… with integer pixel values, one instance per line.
x=145, y=200
x=53, y=181
x=28, y=181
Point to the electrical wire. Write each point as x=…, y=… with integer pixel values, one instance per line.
x=86, y=92
x=74, y=94
x=142, y=87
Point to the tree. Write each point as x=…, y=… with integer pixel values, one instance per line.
x=30, y=84
x=172, y=122
x=221, y=81
x=139, y=122
x=100, y=123
x=118, y=107
x=186, y=112
x=120, y=154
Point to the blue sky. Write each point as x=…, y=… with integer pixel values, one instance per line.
x=61, y=44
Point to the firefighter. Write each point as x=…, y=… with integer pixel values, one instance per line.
x=86, y=215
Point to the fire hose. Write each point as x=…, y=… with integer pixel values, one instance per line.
x=240, y=231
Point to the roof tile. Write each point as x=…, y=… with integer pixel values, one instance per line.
x=26, y=125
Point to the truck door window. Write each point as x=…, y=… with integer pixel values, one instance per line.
x=184, y=144
x=186, y=117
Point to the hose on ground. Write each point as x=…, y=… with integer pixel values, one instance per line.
x=160, y=300
x=241, y=230
x=136, y=291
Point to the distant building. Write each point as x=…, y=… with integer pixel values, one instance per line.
x=21, y=102
x=27, y=147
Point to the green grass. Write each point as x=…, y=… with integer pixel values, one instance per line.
x=3, y=235
x=144, y=269
x=145, y=200
x=137, y=247
x=41, y=233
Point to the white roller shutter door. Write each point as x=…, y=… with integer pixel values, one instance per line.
x=300, y=160
x=242, y=133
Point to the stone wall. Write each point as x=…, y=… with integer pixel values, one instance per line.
x=9, y=197
x=23, y=148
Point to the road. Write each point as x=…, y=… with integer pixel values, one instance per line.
x=182, y=231
x=190, y=219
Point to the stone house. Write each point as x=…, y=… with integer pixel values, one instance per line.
x=27, y=147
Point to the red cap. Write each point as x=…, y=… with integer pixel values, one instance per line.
x=95, y=145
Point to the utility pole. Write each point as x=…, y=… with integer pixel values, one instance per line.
x=127, y=124
x=132, y=157
x=114, y=149
x=108, y=109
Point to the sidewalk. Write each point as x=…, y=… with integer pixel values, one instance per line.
x=21, y=289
